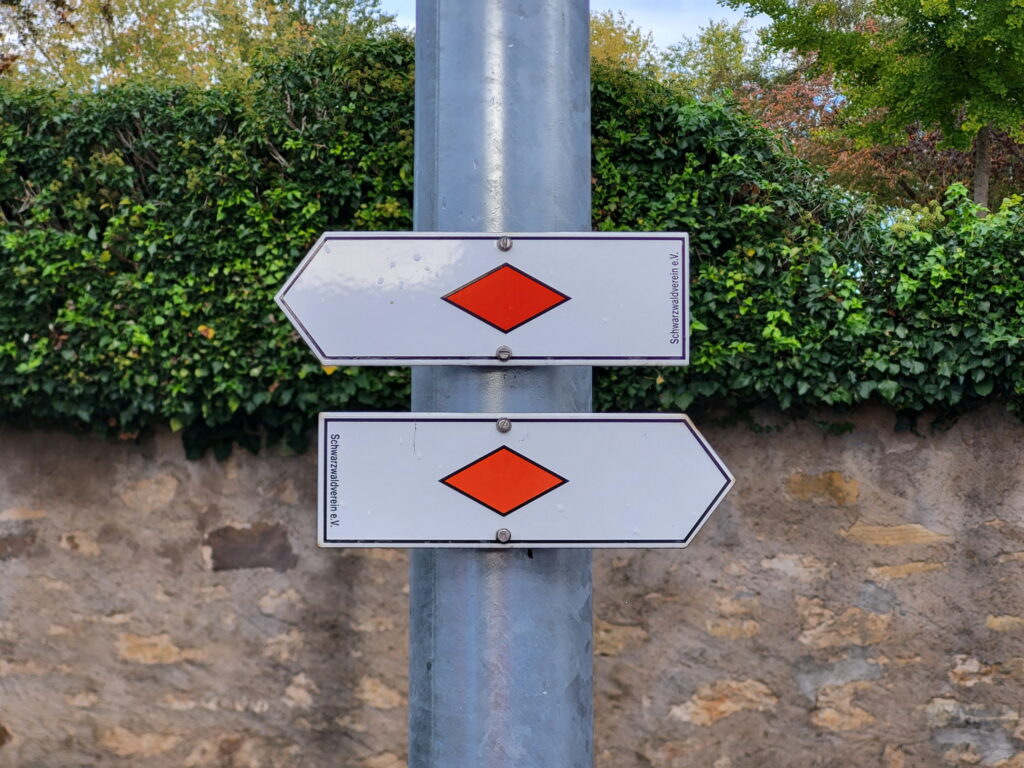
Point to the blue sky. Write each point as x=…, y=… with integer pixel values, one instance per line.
x=668, y=20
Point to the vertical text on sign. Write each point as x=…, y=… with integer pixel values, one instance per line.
x=333, y=483
x=674, y=295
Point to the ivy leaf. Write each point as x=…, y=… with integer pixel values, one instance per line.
x=888, y=389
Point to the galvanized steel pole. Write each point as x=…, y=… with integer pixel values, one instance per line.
x=500, y=669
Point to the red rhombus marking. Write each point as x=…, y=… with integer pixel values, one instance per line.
x=505, y=298
x=503, y=480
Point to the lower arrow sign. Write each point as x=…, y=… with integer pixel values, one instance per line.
x=554, y=480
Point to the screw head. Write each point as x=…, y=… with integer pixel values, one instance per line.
x=503, y=353
x=504, y=535
x=504, y=243
x=503, y=424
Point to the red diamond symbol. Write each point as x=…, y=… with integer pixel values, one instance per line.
x=506, y=298
x=503, y=480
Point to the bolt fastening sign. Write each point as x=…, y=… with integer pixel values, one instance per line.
x=514, y=480
x=392, y=298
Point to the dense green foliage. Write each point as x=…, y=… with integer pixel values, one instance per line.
x=143, y=233
x=955, y=65
x=801, y=295
x=97, y=43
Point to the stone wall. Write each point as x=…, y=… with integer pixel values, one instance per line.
x=856, y=601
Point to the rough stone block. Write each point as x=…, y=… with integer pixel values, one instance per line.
x=264, y=545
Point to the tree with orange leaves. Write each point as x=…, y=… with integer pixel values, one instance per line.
x=954, y=66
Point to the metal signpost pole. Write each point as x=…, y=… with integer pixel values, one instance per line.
x=500, y=668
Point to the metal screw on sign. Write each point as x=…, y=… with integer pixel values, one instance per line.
x=503, y=353
x=504, y=535
x=504, y=243
x=504, y=425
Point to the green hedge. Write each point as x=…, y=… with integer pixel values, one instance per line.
x=144, y=231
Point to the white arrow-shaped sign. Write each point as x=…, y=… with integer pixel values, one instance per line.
x=381, y=298
x=514, y=480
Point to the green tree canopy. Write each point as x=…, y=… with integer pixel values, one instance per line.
x=956, y=65
x=616, y=40
x=95, y=43
x=719, y=59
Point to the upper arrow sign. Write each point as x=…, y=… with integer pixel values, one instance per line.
x=392, y=298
